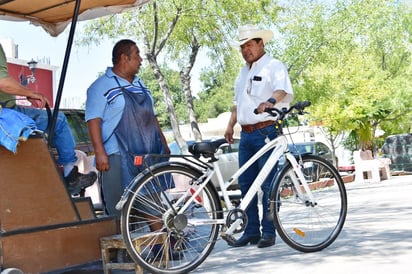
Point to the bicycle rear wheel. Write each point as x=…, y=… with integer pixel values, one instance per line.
x=301, y=225
x=156, y=236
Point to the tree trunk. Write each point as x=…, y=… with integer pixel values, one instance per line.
x=186, y=80
x=168, y=99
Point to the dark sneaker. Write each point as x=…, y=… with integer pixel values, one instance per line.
x=76, y=181
x=245, y=240
x=266, y=241
x=157, y=254
x=123, y=256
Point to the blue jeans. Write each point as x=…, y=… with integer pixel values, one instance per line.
x=250, y=143
x=111, y=185
x=63, y=137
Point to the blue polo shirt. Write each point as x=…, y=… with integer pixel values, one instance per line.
x=105, y=103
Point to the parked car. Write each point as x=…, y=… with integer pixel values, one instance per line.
x=78, y=125
x=315, y=148
x=228, y=159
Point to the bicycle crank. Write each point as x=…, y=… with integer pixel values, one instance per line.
x=233, y=216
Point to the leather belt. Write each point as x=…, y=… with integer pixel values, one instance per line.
x=251, y=128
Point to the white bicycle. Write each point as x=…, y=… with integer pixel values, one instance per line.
x=172, y=214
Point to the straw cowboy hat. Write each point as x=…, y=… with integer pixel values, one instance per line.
x=249, y=32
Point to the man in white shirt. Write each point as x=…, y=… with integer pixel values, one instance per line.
x=263, y=82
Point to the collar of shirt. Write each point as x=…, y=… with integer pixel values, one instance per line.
x=136, y=81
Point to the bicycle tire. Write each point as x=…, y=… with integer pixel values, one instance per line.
x=306, y=227
x=149, y=213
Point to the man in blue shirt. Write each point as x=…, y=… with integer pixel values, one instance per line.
x=122, y=123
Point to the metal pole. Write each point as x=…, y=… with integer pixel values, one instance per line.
x=63, y=74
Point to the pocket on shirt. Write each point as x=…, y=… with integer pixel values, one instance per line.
x=257, y=88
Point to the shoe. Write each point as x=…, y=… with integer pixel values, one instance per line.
x=157, y=252
x=266, y=241
x=244, y=240
x=76, y=181
x=122, y=256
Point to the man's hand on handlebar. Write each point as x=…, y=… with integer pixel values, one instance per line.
x=299, y=107
x=263, y=106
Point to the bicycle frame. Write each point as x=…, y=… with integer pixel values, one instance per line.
x=279, y=146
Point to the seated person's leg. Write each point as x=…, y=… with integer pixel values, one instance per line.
x=65, y=145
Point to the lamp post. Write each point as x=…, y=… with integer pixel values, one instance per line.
x=25, y=80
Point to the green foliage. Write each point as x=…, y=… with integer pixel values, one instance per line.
x=217, y=96
x=351, y=58
x=169, y=31
x=175, y=87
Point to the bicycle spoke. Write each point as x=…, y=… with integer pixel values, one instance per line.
x=170, y=241
x=302, y=225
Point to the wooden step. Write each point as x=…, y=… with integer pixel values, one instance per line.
x=32, y=190
x=55, y=248
x=42, y=229
x=85, y=208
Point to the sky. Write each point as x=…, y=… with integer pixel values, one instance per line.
x=85, y=62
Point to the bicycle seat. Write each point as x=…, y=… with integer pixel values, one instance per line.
x=206, y=148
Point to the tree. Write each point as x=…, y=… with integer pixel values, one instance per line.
x=351, y=58
x=176, y=30
x=217, y=96
x=175, y=87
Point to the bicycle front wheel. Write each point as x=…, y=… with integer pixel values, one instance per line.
x=162, y=236
x=302, y=225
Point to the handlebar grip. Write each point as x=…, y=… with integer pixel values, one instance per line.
x=306, y=103
x=302, y=105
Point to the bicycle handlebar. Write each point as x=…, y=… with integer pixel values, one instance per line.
x=299, y=106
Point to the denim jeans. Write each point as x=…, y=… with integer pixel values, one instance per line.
x=63, y=137
x=111, y=185
x=14, y=126
x=250, y=143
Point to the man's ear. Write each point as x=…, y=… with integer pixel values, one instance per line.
x=124, y=57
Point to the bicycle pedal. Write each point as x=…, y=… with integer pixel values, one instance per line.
x=228, y=238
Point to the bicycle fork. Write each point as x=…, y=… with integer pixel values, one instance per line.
x=299, y=180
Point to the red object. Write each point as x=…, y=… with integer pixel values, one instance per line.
x=347, y=168
x=138, y=160
x=197, y=198
x=43, y=83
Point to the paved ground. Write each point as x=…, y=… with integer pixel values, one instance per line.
x=376, y=238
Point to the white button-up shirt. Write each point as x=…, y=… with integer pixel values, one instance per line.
x=257, y=84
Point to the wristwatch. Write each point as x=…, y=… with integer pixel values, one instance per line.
x=272, y=100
